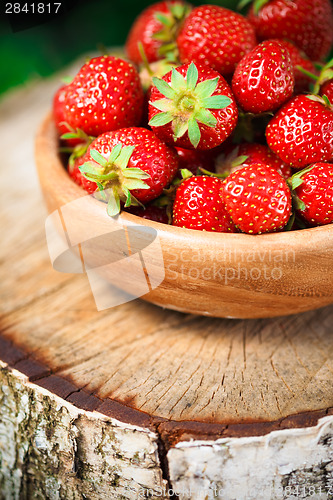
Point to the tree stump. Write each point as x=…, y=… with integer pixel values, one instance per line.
x=137, y=401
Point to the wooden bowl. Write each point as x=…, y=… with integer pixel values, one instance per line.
x=213, y=274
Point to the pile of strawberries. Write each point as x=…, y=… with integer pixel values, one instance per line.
x=213, y=121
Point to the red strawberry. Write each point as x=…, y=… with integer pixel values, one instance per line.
x=105, y=95
x=258, y=199
x=301, y=132
x=324, y=83
x=216, y=37
x=199, y=205
x=58, y=110
x=192, y=107
x=307, y=23
x=77, y=140
x=192, y=160
x=59, y=116
x=247, y=154
x=133, y=163
x=299, y=58
x=264, y=78
x=156, y=29
x=150, y=212
x=327, y=89
x=313, y=188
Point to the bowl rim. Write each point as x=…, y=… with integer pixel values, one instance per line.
x=47, y=142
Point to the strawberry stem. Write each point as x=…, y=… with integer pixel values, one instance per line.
x=145, y=59
x=171, y=23
x=307, y=73
x=223, y=175
x=243, y=3
x=326, y=73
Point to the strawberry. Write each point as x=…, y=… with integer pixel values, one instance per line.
x=264, y=78
x=192, y=107
x=156, y=30
x=76, y=140
x=301, y=65
x=307, y=23
x=216, y=37
x=58, y=110
x=301, y=132
x=258, y=199
x=131, y=162
x=313, y=189
x=150, y=212
x=199, y=205
x=105, y=95
x=59, y=116
x=193, y=160
x=247, y=154
x=327, y=90
x=324, y=82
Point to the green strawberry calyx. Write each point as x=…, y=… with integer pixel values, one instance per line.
x=67, y=79
x=187, y=103
x=257, y=5
x=170, y=25
x=75, y=134
x=290, y=223
x=78, y=150
x=324, y=100
x=225, y=164
x=167, y=198
x=326, y=73
x=294, y=182
x=113, y=174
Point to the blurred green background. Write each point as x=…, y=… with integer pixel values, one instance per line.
x=44, y=49
x=84, y=26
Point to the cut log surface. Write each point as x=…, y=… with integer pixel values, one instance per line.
x=139, y=401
